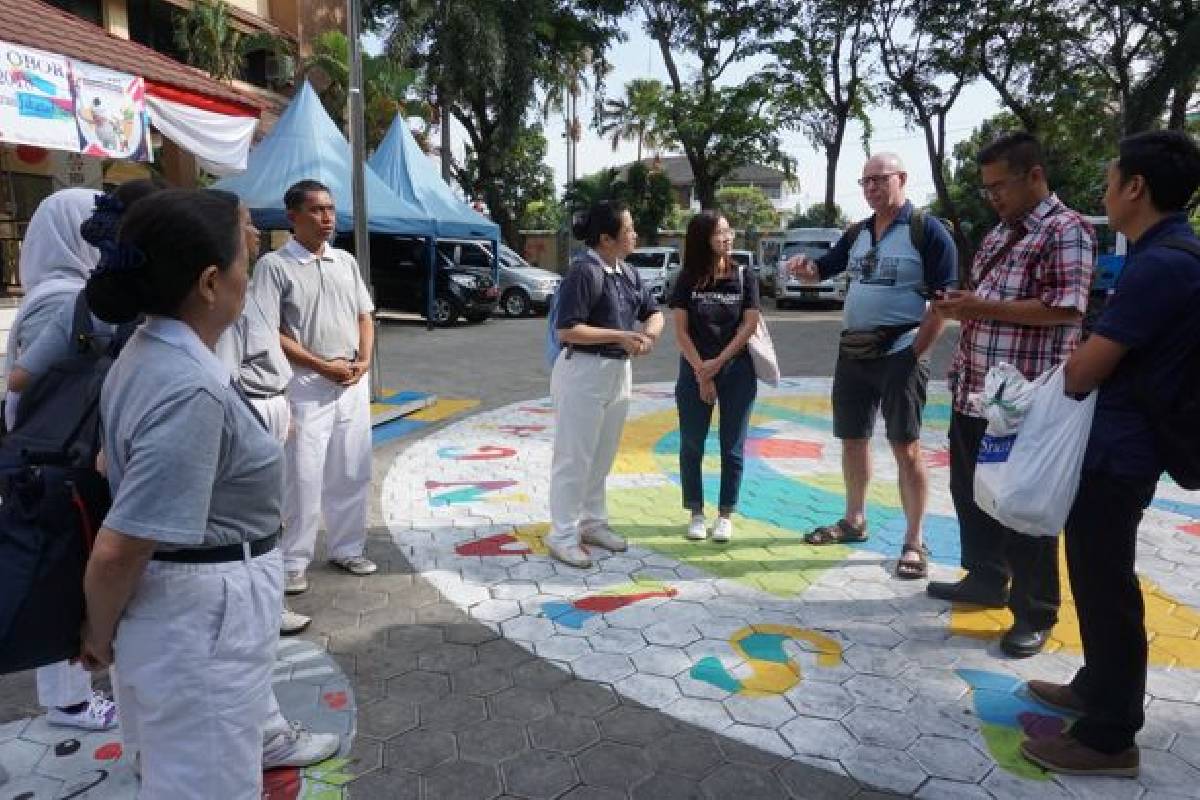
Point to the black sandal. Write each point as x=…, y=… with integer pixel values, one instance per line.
x=913, y=570
x=841, y=532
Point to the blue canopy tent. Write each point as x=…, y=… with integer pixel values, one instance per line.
x=408, y=172
x=306, y=144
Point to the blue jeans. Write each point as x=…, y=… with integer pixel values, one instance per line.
x=737, y=387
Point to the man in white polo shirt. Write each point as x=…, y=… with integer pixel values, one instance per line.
x=327, y=332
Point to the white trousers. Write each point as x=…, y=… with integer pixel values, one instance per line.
x=276, y=412
x=328, y=468
x=63, y=684
x=591, y=398
x=195, y=650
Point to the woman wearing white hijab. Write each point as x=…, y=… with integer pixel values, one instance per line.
x=54, y=266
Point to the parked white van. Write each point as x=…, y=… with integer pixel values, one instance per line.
x=814, y=243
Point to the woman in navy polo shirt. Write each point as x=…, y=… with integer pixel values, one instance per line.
x=601, y=306
x=716, y=312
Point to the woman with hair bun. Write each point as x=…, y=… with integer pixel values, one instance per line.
x=184, y=586
x=600, y=307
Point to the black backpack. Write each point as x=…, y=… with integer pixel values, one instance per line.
x=53, y=500
x=1175, y=420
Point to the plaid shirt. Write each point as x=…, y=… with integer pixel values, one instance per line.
x=1052, y=262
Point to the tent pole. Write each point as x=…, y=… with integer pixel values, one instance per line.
x=358, y=160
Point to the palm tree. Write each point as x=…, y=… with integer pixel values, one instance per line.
x=209, y=41
x=563, y=92
x=634, y=118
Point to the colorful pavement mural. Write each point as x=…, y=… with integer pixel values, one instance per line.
x=815, y=653
x=49, y=763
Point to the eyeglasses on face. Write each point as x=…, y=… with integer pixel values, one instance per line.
x=991, y=190
x=879, y=180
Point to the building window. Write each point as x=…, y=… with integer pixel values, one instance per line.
x=152, y=23
x=84, y=9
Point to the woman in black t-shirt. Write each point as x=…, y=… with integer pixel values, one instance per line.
x=716, y=310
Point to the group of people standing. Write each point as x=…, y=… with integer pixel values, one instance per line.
x=235, y=416
x=1022, y=302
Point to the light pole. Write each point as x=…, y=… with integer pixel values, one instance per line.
x=358, y=160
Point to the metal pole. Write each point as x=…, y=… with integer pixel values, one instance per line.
x=358, y=160
x=445, y=126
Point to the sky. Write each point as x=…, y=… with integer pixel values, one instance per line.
x=639, y=57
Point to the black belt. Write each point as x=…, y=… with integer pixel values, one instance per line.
x=596, y=350
x=218, y=555
x=253, y=395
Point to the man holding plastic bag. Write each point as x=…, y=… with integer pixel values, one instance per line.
x=1024, y=305
x=1144, y=355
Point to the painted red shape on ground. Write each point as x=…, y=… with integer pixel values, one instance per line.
x=284, y=783
x=336, y=700
x=487, y=486
x=492, y=546
x=108, y=752
x=784, y=448
x=604, y=603
x=1194, y=530
x=521, y=430
x=937, y=458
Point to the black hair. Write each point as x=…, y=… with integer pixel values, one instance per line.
x=160, y=251
x=699, y=258
x=603, y=217
x=1169, y=163
x=102, y=225
x=297, y=193
x=1019, y=150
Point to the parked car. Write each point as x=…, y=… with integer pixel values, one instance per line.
x=748, y=258
x=400, y=279
x=658, y=267
x=814, y=243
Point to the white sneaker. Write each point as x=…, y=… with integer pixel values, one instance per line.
x=723, y=530
x=603, y=536
x=698, y=528
x=299, y=747
x=293, y=622
x=295, y=582
x=572, y=555
x=356, y=565
x=100, y=714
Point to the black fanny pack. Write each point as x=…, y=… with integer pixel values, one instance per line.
x=872, y=342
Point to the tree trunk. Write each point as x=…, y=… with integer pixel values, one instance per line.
x=1180, y=99
x=832, y=153
x=938, y=171
x=706, y=187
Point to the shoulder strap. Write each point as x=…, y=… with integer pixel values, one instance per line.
x=916, y=230
x=81, y=324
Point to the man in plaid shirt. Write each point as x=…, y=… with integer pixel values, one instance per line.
x=1031, y=279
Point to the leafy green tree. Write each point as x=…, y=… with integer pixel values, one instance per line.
x=822, y=75
x=634, y=117
x=817, y=216
x=651, y=200
x=209, y=41
x=527, y=179
x=483, y=61
x=542, y=215
x=583, y=193
x=745, y=206
x=718, y=126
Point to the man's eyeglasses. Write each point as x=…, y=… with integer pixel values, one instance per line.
x=989, y=191
x=880, y=180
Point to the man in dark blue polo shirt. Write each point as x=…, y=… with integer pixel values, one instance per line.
x=1144, y=339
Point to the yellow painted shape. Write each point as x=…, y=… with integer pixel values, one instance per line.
x=814, y=404
x=444, y=408
x=771, y=677
x=636, y=453
x=637, y=585
x=518, y=497
x=533, y=536
x=884, y=493
x=1172, y=628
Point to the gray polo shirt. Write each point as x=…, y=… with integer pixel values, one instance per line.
x=188, y=462
x=321, y=297
x=54, y=343
x=250, y=349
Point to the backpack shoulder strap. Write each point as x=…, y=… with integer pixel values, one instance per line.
x=916, y=229
x=81, y=325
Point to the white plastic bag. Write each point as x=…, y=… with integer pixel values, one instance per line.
x=1028, y=481
x=762, y=354
x=1006, y=397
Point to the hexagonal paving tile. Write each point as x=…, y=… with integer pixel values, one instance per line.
x=826, y=700
x=446, y=657
x=664, y=786
x=686, y=753
x=454, y=713
x=386, y=717
x=492, y=741
x=658, y=660
x=878, y=727
x=585, y=699
x=481, y=680
x=879, y=692
x=418, y=687
x=883, y=768
x=612, y=764
x=634, y=726
x=419, y=749
x=521, y=704
x=951, y=759
x=603, y=667
x=539, y=774
x=742, y=780
x=818, y=737
x=564, y=733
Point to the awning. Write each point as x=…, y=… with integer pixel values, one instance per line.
x=203, y=116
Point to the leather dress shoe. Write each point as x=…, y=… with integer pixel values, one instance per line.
x=970, y=591
x=1059, y=696
x=1023, y=640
